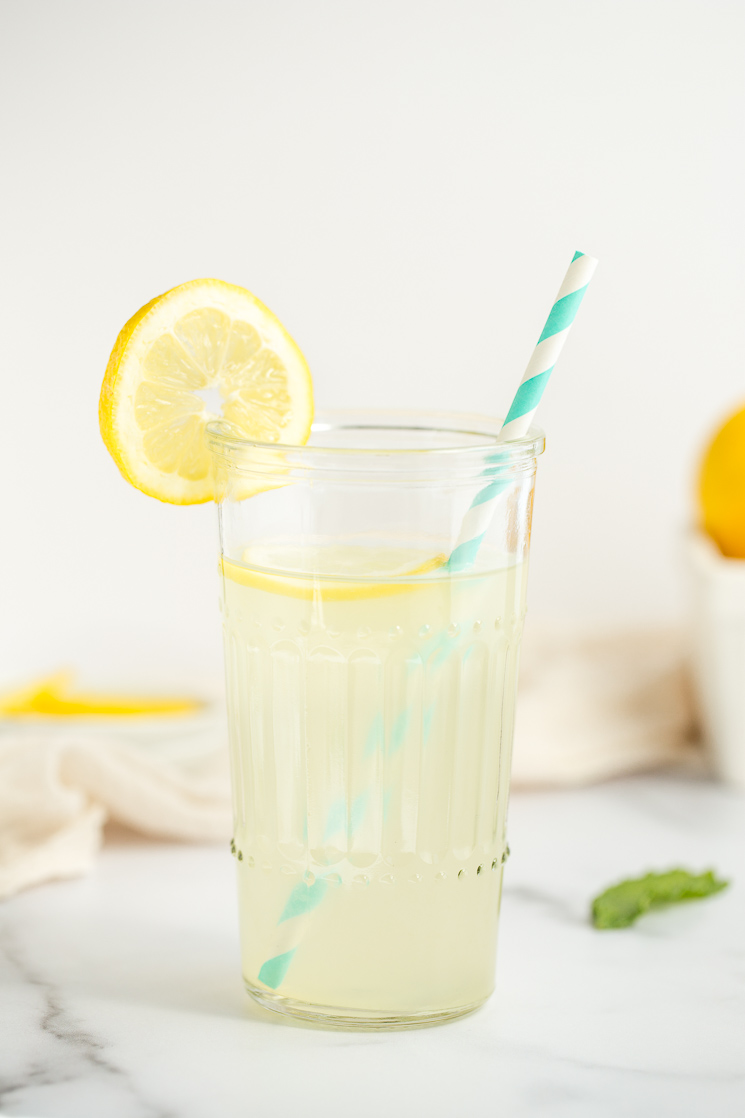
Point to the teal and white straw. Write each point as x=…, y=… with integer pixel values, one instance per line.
x=291, y=930
x=524, y=405
x=307, y=895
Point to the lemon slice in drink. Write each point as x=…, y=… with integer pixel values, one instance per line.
x=339, y=573
x=202, y=351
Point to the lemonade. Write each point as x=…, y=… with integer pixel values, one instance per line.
x=371, y=715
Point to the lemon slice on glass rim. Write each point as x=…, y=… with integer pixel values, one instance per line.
x=203, y=351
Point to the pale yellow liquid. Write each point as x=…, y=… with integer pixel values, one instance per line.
x=371, y=726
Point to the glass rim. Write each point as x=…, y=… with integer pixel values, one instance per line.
x=221, y=436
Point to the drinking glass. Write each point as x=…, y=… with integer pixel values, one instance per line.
x=371, y=695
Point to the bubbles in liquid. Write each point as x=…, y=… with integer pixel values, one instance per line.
x=441, y=876
x=361, y=880
x=462, y=874
x=425, y=631
x=278, y=624
x=477, y=626
x=288, y=871
x=395, y=632
x=333, y=633
x=332, y=879
x=415, y=879
x=304, y=628
x=479, y=869
x=309, y=877
x=387, y=879
x=363, y=633
x=453, y=630
x=251, y=861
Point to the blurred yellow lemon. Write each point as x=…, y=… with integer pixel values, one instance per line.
x=202, y=351
x=53, y=695
x=722, y=488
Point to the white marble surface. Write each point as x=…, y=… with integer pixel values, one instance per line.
x=120, y=994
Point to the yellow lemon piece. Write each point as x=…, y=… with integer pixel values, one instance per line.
x=432, y=564
x=342, y=573
x=52, y=695
x=722, y=488
x=205, y=350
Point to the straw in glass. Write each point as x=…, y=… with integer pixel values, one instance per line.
x=524, y=404
x=306, y=896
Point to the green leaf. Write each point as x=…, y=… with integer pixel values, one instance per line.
x=620, y=905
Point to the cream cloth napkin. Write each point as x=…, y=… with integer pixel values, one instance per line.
x=594, y=707
x=59, y=786
x=589, y=708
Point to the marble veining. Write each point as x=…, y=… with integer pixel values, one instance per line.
x=120, y=994
x=73, y=1054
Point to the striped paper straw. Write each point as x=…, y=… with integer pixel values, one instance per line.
x=291, y=930
x=524, y=405
x=305, y=897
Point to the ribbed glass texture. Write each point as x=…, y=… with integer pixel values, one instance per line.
x=371, y=694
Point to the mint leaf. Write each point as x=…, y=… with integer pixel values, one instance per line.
x=620, y=905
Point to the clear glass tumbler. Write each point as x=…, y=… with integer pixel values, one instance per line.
x=371, y=692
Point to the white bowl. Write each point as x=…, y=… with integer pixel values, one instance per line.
x=718, y=653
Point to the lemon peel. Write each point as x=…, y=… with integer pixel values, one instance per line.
x=721, y=487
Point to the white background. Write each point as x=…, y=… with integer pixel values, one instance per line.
x=403, y=182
